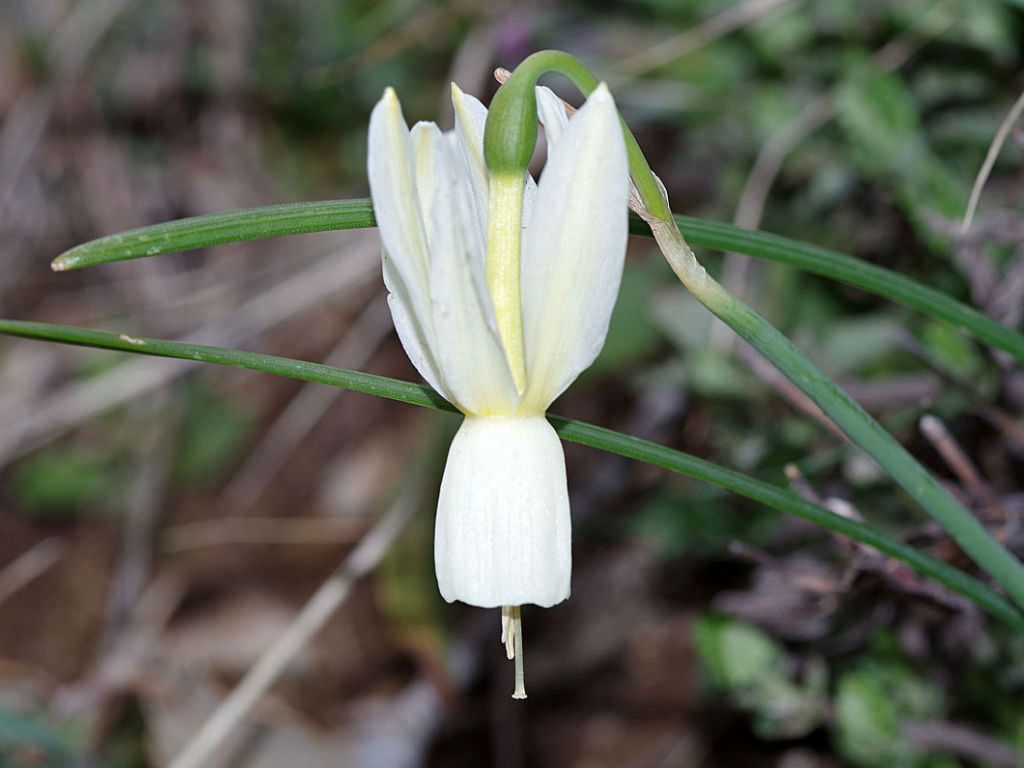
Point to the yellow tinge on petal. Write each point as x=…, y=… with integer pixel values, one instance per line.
x=504, y=241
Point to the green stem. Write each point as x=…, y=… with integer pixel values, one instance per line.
x=585, y=434
x=863, y=430
x=530, y=70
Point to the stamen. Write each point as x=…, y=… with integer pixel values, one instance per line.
x=512, y=637
x=506, y=632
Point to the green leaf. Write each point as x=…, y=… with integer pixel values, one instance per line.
x=60, y=481
x=28, y=741
x=754, y=669
x=694, y=525
x=873, y=703
x=855, y=272
x=295, y=218
x=574, y=431
x=737, y=654
x=215, y=429
x=218, y=229
x=878, y=114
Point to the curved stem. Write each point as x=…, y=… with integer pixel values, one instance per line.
x=537, y=64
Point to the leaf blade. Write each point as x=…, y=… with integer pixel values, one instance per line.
x=579, y=432
x=217, y=229
x=329, y=215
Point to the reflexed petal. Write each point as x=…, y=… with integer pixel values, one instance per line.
x=471, y=361
x=503, y=530
x=573, y=251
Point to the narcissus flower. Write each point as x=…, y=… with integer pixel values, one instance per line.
x=501, y=290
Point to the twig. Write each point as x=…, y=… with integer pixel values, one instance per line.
x=990, y=160
x=76, y=403
x=307, y=408
x=962, y=740
x=954, y=456
x=154, y=451
x=29, y=566
x=73, y=42
x=332, y=593
x=260, y=530
x=768, y=165
x=705, y=33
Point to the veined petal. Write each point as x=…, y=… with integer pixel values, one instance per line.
x=574, y=249
x=503, y=530
x=472, y=363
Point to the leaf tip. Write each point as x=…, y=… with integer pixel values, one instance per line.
x=62, y=263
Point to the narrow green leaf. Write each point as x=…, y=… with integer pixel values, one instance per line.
x=849, y=270
x=290, y=219
x=988, y=553
x=218, y=229
x=575, y=431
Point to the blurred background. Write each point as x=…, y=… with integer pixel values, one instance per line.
x=161, y=523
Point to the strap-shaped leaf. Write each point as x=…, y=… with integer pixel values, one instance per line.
x=575, y=431
x=295, y=218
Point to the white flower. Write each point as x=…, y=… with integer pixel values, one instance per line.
x=502, y=535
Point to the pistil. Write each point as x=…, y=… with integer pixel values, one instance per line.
x=512, y=638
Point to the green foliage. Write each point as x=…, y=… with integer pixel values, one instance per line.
x=867, y=712
x=952, y=350
x=62, y=480
x=873, y=703
x=879, y=116
x=699, y=524
x=632, y=336
x=27, y=742
x=710, y=372
x=214, y=434
x=754, y=670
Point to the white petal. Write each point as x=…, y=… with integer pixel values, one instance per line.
x=471, y=360
x=470, y=119
x=396, y=204
x=409, y=331
x=551, y=111
x=574, y=250
x=503, y=532
x=391, y=171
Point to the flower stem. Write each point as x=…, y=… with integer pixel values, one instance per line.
x=522, y=81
